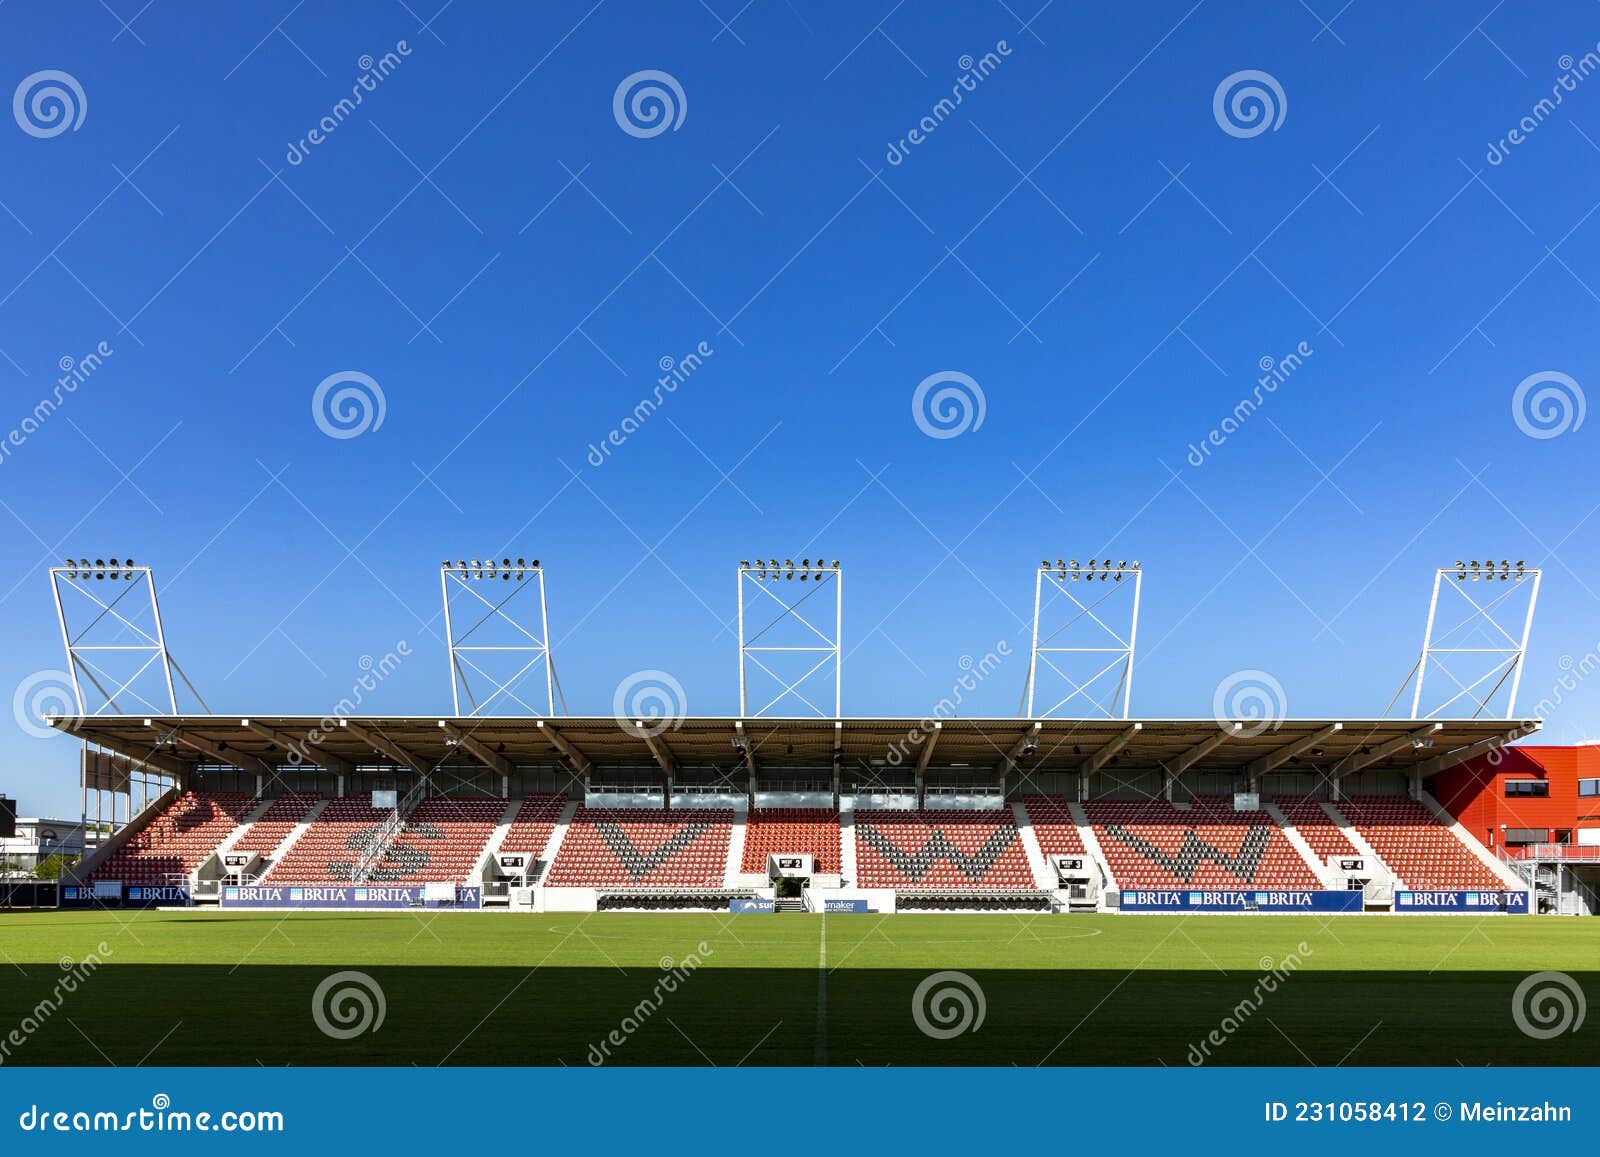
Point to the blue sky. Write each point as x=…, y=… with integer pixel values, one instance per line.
x=1081, y=237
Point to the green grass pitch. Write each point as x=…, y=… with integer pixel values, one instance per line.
x=182, y=988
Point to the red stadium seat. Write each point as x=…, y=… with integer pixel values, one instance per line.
x=178, y=839
x=275, y=824
x=939, y=850
x=811, y=832
x=441, y=842
x=1409, y=838
x=1053, y=825
x=535, y=821
x=643, y=848
x=1308, y=817
x=1152, y=844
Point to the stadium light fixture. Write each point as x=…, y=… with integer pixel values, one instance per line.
x=100, y=569
x=1087, y=634
x=522, y=645
x=120, y=652
x=1501, y=647
x=818, y=646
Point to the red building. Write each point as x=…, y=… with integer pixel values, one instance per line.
x=1522, y=796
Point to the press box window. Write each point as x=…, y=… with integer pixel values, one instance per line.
x=1589, y=787
x=1535, y=787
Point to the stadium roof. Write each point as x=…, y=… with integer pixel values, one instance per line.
x=176, y=744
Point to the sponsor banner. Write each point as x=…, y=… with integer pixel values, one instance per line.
x=1251, y=900
x=129, y=896
x=741, y=906
x=844, y=906
x=1471, y=903
x=341, y=896
x=158, y=895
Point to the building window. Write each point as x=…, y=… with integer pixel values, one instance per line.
x=1589, y=787
x=1533, y=787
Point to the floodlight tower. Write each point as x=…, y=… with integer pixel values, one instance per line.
x=500, y=644
x=1488, y=636
x=1081, y=636
x=117, y=664
x=790, y=640
x=114, y=639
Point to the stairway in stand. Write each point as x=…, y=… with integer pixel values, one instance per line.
x=794, y=905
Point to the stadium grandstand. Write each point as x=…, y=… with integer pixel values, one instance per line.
x=540, y=826
x=536, y=809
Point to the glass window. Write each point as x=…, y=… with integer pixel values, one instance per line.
x=1533, y=787
x=1589, y=787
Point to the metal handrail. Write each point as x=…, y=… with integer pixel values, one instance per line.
x=378, y=846
x=1579, y=853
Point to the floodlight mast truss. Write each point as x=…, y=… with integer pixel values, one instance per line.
x=1075, y=581
x=494, y=606
x=101, y=651
x=769, y=578
x=1486, y=615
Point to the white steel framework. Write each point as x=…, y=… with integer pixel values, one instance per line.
x=790, y=648
x=117, y=656
x=1488, y=637
x=498, y=646
x=117, y=664
x=1080, y=654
